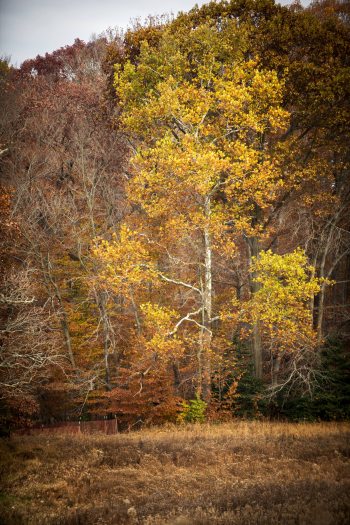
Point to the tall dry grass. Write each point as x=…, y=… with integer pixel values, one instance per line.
x=237, y=473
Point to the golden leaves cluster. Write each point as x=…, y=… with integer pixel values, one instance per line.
x=125, y=261
x=287, y=284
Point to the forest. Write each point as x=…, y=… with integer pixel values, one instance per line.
x=175, y=241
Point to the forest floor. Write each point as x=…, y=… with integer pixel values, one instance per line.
x=235, y=473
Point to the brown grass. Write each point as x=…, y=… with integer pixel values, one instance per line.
x=239, y=473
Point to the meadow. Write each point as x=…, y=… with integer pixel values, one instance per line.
x=231, y=473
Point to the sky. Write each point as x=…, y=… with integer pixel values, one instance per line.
x=32, y=27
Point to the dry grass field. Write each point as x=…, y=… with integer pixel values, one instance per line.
x=238, y=473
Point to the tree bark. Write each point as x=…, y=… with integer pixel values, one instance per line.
x=108, y=336
x=256, y=344
x=62, y=313
x=321, y=296
x=67, y=338
x=205, y=332
x=176, y=373
x=275, y=369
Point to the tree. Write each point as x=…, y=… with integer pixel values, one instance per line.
x=282, y=307
x=64, y=165
x=207, y=121
x=193, y=210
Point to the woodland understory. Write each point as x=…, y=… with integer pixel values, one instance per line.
x=175, y=238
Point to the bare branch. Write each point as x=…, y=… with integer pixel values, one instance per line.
x=181, y=283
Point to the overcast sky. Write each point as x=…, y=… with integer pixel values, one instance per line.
x=32, y=27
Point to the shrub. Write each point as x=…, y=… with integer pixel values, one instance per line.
x=193, y=411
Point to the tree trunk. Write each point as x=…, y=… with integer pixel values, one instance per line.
x=275, y=369
x=205, y=333
x=66, y=335
x=177, y=377
x=321, y=296
x=62, y=313
x=108, y=336
x=256, y=345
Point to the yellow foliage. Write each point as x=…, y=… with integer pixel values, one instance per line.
x=282, y=303
x=203, y=133
x=125, y=261
x=159, y=323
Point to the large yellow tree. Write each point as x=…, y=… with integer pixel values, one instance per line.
x=204, y=122
x=199, y=116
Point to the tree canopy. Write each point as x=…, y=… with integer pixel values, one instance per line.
x=176, y=217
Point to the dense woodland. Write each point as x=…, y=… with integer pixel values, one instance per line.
x=175, y=237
